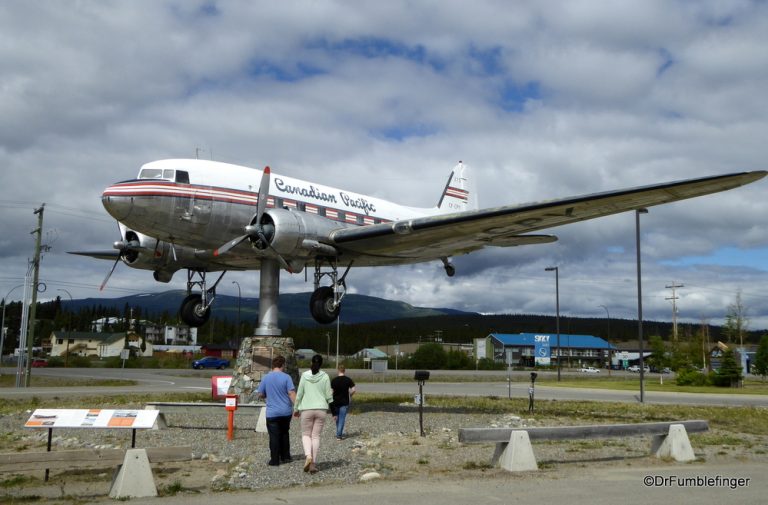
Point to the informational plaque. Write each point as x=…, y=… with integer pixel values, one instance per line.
x=220, y=385
x=92, y=418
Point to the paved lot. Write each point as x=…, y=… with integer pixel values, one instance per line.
x=568, y=486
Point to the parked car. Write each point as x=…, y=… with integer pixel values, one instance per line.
x=39, y=363
x=210, y=362
x=589, y=369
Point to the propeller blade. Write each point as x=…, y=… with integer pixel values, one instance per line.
x=263, y=195
x=280, y=259
x=229, y=245
x=104, y=282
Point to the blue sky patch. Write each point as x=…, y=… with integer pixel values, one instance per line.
x=377, y=47
x=283, y=73
x=727, y=256
x=513, y=96
x=402, y=132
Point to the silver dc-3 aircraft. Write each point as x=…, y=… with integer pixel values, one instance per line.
x=205, y=216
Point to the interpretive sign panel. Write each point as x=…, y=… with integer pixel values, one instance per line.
x=92, y=418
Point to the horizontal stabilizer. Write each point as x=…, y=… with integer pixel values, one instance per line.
x=102, y=255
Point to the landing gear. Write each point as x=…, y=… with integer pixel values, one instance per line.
x=325, y=303
x=193, y=312
x=450, y=270
x=196, y=307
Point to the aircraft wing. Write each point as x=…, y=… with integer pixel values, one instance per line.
x=463, y=232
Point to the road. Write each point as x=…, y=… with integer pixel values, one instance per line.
x=163, y=381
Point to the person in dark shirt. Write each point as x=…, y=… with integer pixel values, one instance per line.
x=343, y=389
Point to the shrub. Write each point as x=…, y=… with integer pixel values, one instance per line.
x=79, y=361
x=56, y=361
x=691, y=377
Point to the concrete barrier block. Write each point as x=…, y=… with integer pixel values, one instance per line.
x=518, y=456
x=261, y=423
x=675, y=445
x=134, y=479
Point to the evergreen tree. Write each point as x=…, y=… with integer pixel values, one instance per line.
x=761, y=357
x=729, y=374
x=658, y=358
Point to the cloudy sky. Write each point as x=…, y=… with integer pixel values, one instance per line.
x=542, y=99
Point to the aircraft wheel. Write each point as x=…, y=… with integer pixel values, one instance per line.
x=321, y=305
x=450, y=270
x=192, y=312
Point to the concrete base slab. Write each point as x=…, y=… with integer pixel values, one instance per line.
x=518, y=456
x=675, y=445
x=134, y=479
x=261, y=423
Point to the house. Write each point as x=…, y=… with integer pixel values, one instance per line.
x=305, y=353
x=171, y=334
x=219, y=350
x=102, y=345
x=370, y=353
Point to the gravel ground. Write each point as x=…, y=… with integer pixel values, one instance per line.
x=382, y=443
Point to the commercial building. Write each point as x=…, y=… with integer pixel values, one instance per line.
x=530, y=349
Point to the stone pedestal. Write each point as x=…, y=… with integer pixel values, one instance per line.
x=255, y=360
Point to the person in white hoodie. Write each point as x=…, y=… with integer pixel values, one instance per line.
x=312, y=400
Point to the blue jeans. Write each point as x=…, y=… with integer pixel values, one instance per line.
x=340, y=419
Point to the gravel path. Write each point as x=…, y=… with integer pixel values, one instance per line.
x=382, y=443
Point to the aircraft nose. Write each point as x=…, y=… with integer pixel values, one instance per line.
x=118, y=206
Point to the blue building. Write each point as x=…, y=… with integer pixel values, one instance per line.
x=574, y=350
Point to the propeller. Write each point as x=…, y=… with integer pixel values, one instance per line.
x=257, y=229
x=124, y=248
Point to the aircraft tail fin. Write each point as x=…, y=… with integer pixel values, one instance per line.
x=459, y=193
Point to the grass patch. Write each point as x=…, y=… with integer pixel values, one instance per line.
x=473, y=465
x=128, y=401
x=720, y=439
x=9, y=381
x=651, y=383
x=16, y=481
x=172, y=489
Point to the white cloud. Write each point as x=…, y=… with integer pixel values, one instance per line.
x=542, y=99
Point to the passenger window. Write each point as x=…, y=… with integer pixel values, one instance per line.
x=182, y=177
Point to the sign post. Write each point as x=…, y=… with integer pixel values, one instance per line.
x=230, y=403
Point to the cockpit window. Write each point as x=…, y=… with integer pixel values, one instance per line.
x=182, y=176
x=167, y=174
x=151, y=173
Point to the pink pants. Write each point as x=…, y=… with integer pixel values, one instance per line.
x=312, y=422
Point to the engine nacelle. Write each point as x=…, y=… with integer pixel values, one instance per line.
x=147, y=253
x=298, y=234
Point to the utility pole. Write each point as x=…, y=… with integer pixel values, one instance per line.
x=36, y=277
x=674, y=297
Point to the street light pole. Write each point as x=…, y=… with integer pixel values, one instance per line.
x=557, y=306
x=237, y=335
x=69, y=329
x=608, y=339
x=2, y=324
x=640, y=301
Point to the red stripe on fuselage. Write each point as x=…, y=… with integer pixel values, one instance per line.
x=170, y=189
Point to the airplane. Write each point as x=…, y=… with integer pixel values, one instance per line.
x=206, y=216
